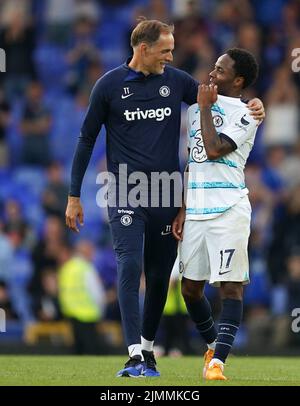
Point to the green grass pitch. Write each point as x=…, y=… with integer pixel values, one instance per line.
x=185, y=371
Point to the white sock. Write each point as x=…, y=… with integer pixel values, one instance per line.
x=216, y=361
x=212, y=346
x=135, y=349
x=147, y=345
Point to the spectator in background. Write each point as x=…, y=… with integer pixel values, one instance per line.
x=290, y=167
x=293, y=278
x=291, y=18
x=282, y=265
x=282, y=107
x=6, y=262
x=15, y=221
x=228, y=17
x=183, y=8
x=55, y=194
x=35, y=127
x=21, y=271
x=249, y=37
x=5, y=302
x=82, y=53
x=4, y=122
x=45, y=252
x=271, y=175
x=283, y=336
x=81, y=295
x=268, y=12
x=198, y=52
x=45, y=304
x=293, y=292
x=193, y=49
x=8, y=7
x=6, y=256
x=261, y=199
x=17, y=38
x=153, y=10
x=87, y=9
x=93, y=73
x=257, y=295
x=59, y=16
x=285, y=237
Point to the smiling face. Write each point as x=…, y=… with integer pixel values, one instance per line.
x=155, y=57
x=225, y=77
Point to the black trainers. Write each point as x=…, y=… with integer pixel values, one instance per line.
x=134, y=368
x=150, y=364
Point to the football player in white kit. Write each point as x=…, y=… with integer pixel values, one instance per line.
x=213, y=227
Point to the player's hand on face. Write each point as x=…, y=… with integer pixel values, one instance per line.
x=177, y=225
x=257, y=109
x=207, y=95
x=74, y=213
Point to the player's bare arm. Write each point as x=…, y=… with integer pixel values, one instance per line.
x=74, y=213
x=215, y=145
x=178, y=223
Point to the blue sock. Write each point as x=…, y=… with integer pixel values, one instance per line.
x=200, y=312
x=230, y=320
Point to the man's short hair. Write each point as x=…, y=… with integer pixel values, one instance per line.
x=149, y=31
x=245, y=65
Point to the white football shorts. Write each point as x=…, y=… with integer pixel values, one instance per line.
x=215, y=250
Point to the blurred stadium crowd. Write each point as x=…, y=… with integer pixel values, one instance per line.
x=55, y=51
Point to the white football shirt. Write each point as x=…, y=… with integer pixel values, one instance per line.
x=216, y=185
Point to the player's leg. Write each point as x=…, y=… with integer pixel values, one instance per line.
x=160, y=255
x=194, y=265
x=128, y=234
x=227, y=245
x=230, y=319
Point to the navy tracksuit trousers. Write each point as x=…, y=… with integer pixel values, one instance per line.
x=142, y=240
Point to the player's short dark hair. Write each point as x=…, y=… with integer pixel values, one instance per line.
x=149, y=31
x=245, y=65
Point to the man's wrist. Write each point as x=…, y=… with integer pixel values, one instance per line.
x=73, y=198
x=204, y=108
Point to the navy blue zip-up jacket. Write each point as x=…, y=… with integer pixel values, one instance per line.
x=141, y=115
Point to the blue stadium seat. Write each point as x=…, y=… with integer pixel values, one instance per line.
x=31, y=178
x=258, y=291
x=65, y=131
x=51, y=64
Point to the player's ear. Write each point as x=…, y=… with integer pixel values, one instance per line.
x=239, y=81
x=143, y=48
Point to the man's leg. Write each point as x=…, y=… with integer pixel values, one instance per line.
x=195, y=265
x=227, y=241
x=199, y=309
x=230, y=319
x=128, y=237
x=160, y=255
